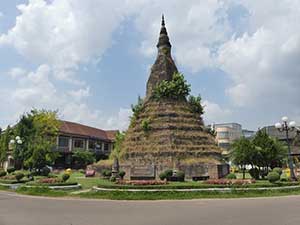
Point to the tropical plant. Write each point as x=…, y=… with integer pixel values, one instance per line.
x=116, y=153
x=195, y=104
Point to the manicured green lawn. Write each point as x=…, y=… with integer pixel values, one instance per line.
x=160, y=195
x=90, y=182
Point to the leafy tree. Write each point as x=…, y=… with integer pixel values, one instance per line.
x=5, y=137
x=242, y=153
x=41, y=139
x=263, y=152
x=117, y=150
x=83, y=158
x=26, y=130
x=177, y=88
x=270, y=152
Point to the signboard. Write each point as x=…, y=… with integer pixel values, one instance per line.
x=142, y=172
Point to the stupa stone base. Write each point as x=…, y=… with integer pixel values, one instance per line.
x=148, y=166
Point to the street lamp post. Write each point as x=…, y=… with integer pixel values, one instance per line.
x=17, y=142
x=286, y=126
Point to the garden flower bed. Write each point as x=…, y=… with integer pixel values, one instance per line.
x=11, y=179
x=51, y=182
x=141, y=182
x=230, y=181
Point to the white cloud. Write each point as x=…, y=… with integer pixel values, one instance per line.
x=194, y=28
x=78, y=95
x=264, y=64
x=37, y=90
x=17, y=72
x=64, y=33
x=214, y=113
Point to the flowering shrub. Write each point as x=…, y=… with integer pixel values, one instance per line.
x=8, y=177
x=230, y=181
x=141, y=182
x=49, y=180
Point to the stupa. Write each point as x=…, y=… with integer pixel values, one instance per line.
x=175, y=138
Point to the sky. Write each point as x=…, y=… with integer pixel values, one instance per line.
x=91, y=59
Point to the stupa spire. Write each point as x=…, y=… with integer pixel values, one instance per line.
x=164, y=66
x=163, y=40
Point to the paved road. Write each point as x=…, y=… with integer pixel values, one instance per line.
x=25, y=210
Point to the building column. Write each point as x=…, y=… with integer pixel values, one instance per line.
x=87, y=144
x=70, y=144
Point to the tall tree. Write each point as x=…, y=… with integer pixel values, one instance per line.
x=42, y=128
x=242, y=153
x=271, y=152
x=5, y=137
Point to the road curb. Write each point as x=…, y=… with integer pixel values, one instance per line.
x=221, y=190
x=67, y=187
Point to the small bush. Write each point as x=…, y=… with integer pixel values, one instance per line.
x=284, y=178
x=162, y=176
x=168, y=173
x=106, y=173
x=113, y=179
x=122, y=174
x=146, y=124
x=65, y=177
x=180, y=176
x=231, y=176
x=254, y=173
x=11, y=169
x=81, y=171
x=2, y=173
x=273, y=177
x=277, y=170
x=19, y=176
x=45, y=171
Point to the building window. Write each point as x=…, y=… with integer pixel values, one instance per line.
x=224, y=145
x=99, y=145
x=223, y=135
x=63, y=141
x=79, y=143
x=106, y=147
x=92, y=144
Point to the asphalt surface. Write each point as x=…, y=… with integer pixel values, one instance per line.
x=25, y=210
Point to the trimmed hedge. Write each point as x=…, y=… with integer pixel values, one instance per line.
x=231, y=176
x=273, y=177
x=51, y=184
x=198, y=186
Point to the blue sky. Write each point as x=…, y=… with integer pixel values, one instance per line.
x=91, y=59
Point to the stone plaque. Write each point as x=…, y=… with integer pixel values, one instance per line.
x=142, y=172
